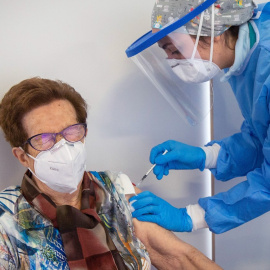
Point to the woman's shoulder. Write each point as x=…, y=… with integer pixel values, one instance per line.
x=120, y=180
x=8, y=199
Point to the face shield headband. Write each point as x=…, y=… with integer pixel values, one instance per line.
x=150, y=38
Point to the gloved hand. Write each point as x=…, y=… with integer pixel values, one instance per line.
x=149, y=207
x=180, y=156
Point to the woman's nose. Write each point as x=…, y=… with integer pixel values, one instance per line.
x=59, y=137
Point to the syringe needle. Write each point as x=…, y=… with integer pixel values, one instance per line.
x=150, y=170
x=146, y=174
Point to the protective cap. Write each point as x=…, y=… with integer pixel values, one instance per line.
x=227, y=13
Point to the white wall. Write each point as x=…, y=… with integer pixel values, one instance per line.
x=83, y=43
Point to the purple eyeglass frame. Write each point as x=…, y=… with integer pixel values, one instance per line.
x=55, y=134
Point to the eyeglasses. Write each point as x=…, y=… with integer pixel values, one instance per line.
x=45, y=141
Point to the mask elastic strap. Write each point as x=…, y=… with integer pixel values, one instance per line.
x=33, y=159
x=212, y=33
x=198, y=36
x=28, y=154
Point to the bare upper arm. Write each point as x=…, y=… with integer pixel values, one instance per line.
x=167, y=251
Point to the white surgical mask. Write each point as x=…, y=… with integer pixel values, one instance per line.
x=62, y=167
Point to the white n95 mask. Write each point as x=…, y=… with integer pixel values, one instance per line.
x=62, y=167
x=194, y=70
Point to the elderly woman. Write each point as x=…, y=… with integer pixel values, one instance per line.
x=63, y=217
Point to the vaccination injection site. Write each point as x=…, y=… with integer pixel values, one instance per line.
x=135, y=135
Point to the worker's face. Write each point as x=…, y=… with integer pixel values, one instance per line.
x=181, y=46
x=178, y=46
x=50, y=118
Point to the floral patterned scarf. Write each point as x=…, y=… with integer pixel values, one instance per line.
x=98, y=236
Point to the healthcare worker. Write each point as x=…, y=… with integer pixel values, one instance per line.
x=192, y=41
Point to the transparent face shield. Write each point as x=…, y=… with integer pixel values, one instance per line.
x=180, y=66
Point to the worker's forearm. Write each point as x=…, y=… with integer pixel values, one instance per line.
x=169, y=252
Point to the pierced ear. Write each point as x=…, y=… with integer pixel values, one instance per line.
x=21, y=156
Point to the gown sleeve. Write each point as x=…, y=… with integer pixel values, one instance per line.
x=238, y=155
x=248, y=199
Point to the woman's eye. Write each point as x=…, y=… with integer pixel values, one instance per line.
x=176, y=52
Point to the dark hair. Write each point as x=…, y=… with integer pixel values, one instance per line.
x=30, y=94
x=230, y=35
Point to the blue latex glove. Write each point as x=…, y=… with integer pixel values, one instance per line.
x=149, y=207
x=180, y=156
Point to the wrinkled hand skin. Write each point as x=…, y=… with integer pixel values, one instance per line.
x=168, y=252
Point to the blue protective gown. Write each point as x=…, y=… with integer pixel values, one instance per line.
x=248, y=152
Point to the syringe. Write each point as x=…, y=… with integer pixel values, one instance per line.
x=151, y=169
